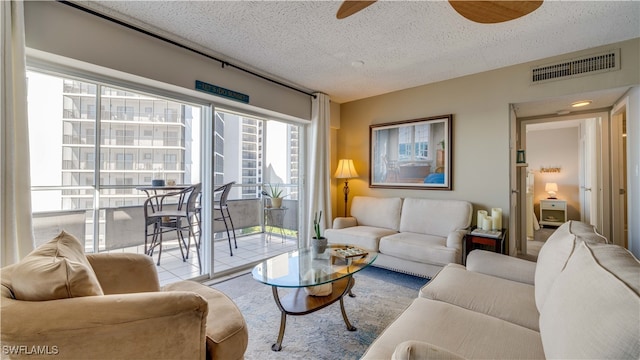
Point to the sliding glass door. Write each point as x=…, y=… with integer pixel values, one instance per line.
x=92, y=146
x=258, y=155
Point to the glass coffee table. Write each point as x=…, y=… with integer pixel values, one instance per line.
x=303, y=268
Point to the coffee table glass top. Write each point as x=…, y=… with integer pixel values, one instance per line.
x=308, y=267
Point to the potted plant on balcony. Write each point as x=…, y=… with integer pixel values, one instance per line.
x=275, y=194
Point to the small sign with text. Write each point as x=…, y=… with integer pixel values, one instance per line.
x=220, y=91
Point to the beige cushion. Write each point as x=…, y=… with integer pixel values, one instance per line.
x=467, y=333
x=593, y=308
x=57, y=269
x=378, y=212
x=435, y=217
x=418, y=350
x=499, y=265
x=555, y=253
x=366, y=237
x=422, y=248
x=227, y=333
x=504, y=299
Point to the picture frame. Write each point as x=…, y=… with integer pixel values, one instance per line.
x=412, y=154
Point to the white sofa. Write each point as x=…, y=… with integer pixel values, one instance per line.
x=581, y=300
x=414, y=236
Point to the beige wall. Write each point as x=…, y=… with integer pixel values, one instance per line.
x=556, y=148
x=480, y=106
x=58, y=29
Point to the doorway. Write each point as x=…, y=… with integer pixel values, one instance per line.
x=609, y=156
x=563, y=177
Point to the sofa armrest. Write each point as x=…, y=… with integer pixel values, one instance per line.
x=344, y=222
x=502, y=266
x=419, y=350
x=167, y=325
x=123, y=273
x=454, y=239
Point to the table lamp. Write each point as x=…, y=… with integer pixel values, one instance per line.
x=551, y=189
x=345, y=171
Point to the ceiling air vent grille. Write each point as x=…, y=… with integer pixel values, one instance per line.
x=586, y=65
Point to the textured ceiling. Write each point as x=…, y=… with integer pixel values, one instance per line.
x=390, y=45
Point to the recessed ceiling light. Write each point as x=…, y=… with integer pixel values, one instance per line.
x=358, y=63
x=581, y=103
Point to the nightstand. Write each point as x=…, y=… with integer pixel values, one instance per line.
x=553, y=212
x=488, y=242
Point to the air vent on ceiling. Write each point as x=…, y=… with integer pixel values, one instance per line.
x=586, y=65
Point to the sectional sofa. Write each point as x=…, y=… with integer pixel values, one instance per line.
x=581, y=300
x=414, y=236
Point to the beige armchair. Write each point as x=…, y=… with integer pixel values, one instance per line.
x=134, y=319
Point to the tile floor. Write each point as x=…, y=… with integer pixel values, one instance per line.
x=251, y=249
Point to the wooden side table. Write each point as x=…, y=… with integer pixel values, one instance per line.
x=553, y=212
x=496, y=243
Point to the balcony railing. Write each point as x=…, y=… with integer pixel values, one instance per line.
x=123, y=226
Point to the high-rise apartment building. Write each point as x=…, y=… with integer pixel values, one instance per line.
x=140, y=137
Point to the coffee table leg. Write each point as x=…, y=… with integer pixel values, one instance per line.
x=283, y=321
x=344, y=313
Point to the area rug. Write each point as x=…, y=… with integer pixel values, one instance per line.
x=381, y=295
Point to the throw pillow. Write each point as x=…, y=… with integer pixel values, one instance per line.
x=57, y=269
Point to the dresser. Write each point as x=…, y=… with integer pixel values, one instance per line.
x=553, y=212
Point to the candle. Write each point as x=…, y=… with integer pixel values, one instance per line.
x=487, y=223
x=480, y=218
x=496, y=216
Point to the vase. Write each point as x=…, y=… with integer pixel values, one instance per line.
x=319, y=245
x=318, y=290
x=276, y=203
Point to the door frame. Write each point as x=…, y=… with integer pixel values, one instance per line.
x=619, y=179
x=588, y=175
x=518, y=173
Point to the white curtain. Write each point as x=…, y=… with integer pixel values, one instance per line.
x=318, y=170
x=16, y=234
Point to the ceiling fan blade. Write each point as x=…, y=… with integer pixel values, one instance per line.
x=491, y=12
x=350, y=7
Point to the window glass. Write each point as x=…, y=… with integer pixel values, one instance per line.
x=255, y=153
x=102, y=142
x=139, y=135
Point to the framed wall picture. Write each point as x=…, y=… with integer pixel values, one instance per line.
x=413, y=154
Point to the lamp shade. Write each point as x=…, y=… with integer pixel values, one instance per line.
x=551, y=187
x=346, y=170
